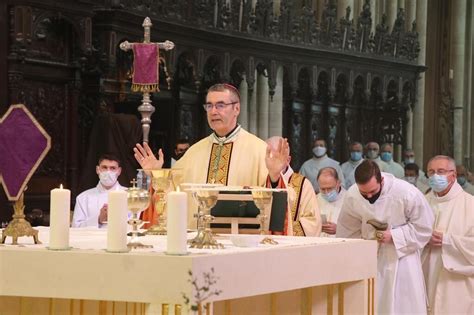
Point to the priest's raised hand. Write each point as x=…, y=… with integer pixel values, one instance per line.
x=146, y=158
x=277, y=160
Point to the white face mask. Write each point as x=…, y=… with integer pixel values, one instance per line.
x=410, y=179
x=108, y=178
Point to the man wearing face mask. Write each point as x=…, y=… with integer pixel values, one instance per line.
x=372, y=150
x=412, y=175
x=409, y=157
x=448, y=259
x=350, y=165
x=404, y=224
x=182, y=145
x=311, y=167
x=91, y=205
x=462, y=179
x=392, y=166
x=330, y=199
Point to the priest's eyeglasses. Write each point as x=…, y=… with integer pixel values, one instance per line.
x=440, y=171
x=219, y=105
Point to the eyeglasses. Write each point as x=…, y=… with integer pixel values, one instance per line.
x=219, y=105
x=440, y=171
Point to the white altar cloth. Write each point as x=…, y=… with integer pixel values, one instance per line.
x=88, y=272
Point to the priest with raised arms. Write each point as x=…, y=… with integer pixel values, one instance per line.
x=448, y=259
x=229, y=156
x=397, y=214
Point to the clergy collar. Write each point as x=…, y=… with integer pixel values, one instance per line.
x=455, y=190
x=229, y=137
x=102, y=189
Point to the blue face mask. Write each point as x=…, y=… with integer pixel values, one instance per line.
x=461, y=180
x=319, y=151
x=330, y=196
x=438, y=182
x=356, y=156
x=386, y=156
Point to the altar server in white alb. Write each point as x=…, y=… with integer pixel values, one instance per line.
x=92, y=204
x=392, y=166
x=448, y=259
x=330, y=199
x=320, y=159
x=303, y=209
x=348, y=167
x=404, y=224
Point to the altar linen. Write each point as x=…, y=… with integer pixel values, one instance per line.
x=400, y=284
x=449, y=268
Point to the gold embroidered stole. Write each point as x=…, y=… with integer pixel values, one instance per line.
x=296, y=182
x=219, y=163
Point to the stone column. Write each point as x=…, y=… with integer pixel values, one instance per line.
x=419, y=110
x=391, y=8
x=318, y=5
x=275, y=124
x=410, y=10
x=262, y=106
x=252, y=108
x=373, y=11
x=458, y=34
x=358, y=4
x=244, y=113
x=341, y=8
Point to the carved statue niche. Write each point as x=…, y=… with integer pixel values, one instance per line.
x=212, y=72
x=341, y=90
x=364, y=25
x=390, y=119
x=237, y=72
x=353, y=111
x=185, y=73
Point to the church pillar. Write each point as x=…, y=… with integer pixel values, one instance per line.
x=418, y=113
x=262, y=105
x=458, y=34
x=410, y=9
x=319, y=7
x=391, y=8
x=373, y=11
x=341, y=8
x=244, y=114
x=275, y=123
x=357, y=8
x=252, y=108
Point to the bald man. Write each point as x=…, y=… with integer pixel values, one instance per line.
x=462, y=175
x=304, y=211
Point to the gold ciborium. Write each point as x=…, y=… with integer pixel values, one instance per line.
x=137, y=200
x=206, y=198
x=163, y=181
x=262, y=199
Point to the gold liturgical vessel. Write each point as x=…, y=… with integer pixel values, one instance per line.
x=262, y=199
x=137, y=200
x=163, y=181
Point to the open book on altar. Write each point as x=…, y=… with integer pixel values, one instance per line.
x=233, y=203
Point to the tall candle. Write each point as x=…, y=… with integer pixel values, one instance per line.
x=177, y=209
x=59, y=218
x=117, y=221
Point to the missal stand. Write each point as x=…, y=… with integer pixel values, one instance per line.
x=24, y=144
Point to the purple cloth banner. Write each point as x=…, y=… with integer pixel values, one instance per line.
x=23, y=145
x=145, y=67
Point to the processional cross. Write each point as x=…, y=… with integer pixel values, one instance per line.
x=146, y=71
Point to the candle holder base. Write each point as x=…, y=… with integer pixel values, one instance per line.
x=206, y=241
x=19, y=227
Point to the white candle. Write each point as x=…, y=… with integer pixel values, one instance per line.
x=117, y=221
x=59, y=218
x=177, y=209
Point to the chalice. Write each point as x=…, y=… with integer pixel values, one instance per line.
x=137, y=200
x=198, y=241
x=262, y=198
x=163, y=181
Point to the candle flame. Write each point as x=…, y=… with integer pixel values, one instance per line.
x=61, y=186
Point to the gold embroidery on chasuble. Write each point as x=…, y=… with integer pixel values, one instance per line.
x=296, y=182
x=219, y=163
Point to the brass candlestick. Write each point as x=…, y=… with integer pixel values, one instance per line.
x=262, y=199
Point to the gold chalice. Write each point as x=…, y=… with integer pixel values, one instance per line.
x=262, y=199
x=137, y=200
x=163, y=181
x=202, y=239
